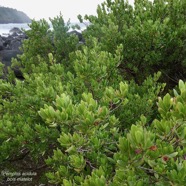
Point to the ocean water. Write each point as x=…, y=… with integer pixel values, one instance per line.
x=5, y=28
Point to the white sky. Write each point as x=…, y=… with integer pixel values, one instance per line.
x=38, y=9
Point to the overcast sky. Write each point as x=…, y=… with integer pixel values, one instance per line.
x=38, y=9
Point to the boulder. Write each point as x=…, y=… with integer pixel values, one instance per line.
x=14, y=34
x=6, y=57
x=15, y=31
x=10, y=48
x=15, y=44
x=7, y=41
x=1, y=43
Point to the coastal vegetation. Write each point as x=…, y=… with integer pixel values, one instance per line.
x=109, y=111
x=10, y=15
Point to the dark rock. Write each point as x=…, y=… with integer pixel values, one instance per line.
x=10, y=48
x=6, y=57
x=15, y=44
x=7, y=42
x=13, y=41
x=14, y=34
x=23, y=36
x=15, y=30
x=1, y=43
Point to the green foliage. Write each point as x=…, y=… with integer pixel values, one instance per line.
x=63, y=43
x=152, y=35
x=79, y=120
x=36, y=47
x=155, y=155
x=94, y=69
x=88, y=134
x=141, y=101
x=44, y=40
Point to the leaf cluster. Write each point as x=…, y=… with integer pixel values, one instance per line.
x=152, y=35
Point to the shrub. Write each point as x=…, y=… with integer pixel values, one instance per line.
x=152, y=35
x=155, y=155
x=52, y=106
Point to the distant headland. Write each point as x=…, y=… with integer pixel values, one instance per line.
x=10, y=15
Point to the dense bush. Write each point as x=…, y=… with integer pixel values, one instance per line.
x=153, y=35
x=75, y=119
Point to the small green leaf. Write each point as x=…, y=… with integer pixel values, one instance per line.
x=173, y=155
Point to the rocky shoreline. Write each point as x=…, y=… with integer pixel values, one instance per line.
x=12, y=41
x=10, y=47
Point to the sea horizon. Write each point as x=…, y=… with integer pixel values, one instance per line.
x=6, y=27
